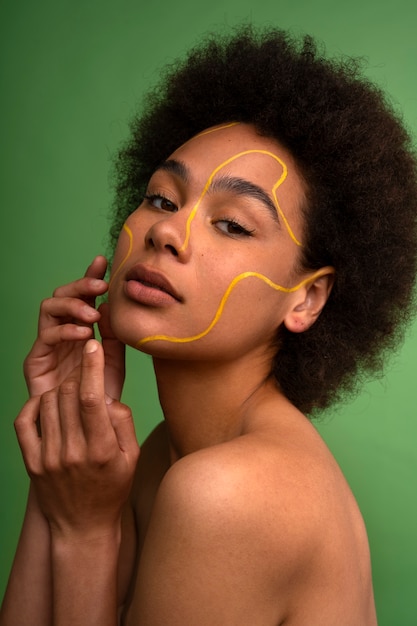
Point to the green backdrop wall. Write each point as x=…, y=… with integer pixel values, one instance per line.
x=72, y=72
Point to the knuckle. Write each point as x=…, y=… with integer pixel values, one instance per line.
x=89, y=399
x=25, y=418
x=69, y=387
x=20, y=425
x=71, y=457
x=98, y=458
x=33, y=468
x=45, y=304
x=51, y=464
x=103, y=451
x=135, y=451
x=48, y=399
x=57, y=292
x=124, y=412
x=119, y=413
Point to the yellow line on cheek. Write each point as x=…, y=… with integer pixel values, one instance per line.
x=129, y=252
x=219, y=311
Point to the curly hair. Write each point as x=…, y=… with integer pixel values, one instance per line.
x=357, y=161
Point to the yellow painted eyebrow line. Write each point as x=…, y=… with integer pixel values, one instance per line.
x=221, y=306
x=274, y=190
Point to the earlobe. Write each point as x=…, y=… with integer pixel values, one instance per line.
x=310, y=301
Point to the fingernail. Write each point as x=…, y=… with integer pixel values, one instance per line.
x=97, y=282
x=89, y=311
x=91, y=346
x=82, y=330
x=108, y=399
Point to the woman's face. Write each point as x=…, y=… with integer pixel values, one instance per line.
x=205, y=266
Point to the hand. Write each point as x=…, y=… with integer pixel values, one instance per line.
x=65, y=324
x=83, y=463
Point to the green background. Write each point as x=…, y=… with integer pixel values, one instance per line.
x=72, y=73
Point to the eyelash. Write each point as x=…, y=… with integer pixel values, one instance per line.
x=152, y=197
x=243, y=230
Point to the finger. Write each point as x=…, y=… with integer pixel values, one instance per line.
x=58, y=334
x=55, y=311
x=84, y=288
x=114, y=355
x=124, y=427
x=28, y=437
x=97, y=267
x=50, y=429
x=93, y=409
x=72, y=433
x=96, y=271
x=52, y=337
x=89, y=287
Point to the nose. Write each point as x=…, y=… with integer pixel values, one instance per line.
x=169, y=235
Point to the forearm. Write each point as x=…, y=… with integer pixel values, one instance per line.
x=82, y=468
x=28, y=598
x=84, y=571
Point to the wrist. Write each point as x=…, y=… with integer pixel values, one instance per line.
x=84, y=572
x=73, y=539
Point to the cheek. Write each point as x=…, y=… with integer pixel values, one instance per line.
x=123, y=250
x=250, y=300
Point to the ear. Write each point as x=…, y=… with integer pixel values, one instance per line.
x=309, y=300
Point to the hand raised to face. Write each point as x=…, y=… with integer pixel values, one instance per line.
x=65, y=324
x=82, y=463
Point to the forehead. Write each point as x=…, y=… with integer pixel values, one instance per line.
x=228, y=140
x=237, y=148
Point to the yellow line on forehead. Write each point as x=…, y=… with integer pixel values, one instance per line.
x=214, y=130
x=274, y=189
x=221, y=306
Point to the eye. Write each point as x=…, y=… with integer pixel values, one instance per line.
x=233, y=227
x=161, y=202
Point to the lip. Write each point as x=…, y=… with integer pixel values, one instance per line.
x=149, y=286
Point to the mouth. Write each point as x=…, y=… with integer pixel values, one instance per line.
x=150, y=281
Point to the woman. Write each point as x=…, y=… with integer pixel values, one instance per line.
x=265, y=210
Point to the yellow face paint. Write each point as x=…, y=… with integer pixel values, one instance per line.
x=240, y=277
x=214, y=130
x=127, y=255
x=219, y=311
x=274, y=192
x=230, y=160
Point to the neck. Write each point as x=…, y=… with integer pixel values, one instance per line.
x=205, y=404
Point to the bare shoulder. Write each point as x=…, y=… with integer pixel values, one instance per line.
x=280, y=472
x=260, y=530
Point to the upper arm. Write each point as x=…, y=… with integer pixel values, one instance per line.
x=211, y=554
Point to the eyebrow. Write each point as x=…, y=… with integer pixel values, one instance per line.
x=233, y=184
x=178, y=168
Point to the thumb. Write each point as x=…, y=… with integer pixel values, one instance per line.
x=122, y=421
x=114, y=355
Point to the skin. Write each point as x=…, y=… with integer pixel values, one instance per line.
x=215, y=177
x=235, y=512
x=256, y=166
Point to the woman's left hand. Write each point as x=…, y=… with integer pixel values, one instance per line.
x=82, y=465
